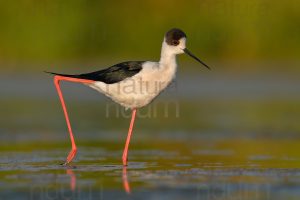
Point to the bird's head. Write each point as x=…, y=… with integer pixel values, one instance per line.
x=175, y=43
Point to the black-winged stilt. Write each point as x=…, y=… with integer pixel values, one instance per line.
x=132, y=84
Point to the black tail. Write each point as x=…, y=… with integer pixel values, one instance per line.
x=66, y=75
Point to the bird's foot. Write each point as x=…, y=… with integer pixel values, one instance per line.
x=71, y=156
x=125, y=160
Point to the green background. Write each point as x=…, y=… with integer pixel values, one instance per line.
x=225, y=33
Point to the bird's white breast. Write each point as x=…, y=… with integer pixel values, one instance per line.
x=140, y=89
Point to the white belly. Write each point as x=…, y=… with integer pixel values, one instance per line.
x=140, y=89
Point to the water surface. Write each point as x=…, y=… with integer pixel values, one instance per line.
x=184, y=146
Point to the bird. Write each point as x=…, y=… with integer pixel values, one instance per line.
x=131, y=84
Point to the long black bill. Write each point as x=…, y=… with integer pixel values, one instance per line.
x=193, y=56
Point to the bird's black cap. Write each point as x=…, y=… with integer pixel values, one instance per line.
x=173, y=36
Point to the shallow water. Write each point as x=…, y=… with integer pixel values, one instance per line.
x=182, y=169
x=188, y=148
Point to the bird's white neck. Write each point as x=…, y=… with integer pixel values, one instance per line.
x=167, y=58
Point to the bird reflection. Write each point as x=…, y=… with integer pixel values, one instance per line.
x=72, y=179
x=126, y=184
x=125, y=180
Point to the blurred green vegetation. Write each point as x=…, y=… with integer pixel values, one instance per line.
x=51, y=31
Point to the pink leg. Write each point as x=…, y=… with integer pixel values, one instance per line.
x=125, y=152
x=57, y=80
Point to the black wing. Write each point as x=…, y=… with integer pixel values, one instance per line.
x=113, y=74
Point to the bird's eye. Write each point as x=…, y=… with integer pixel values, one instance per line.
x=175, y=42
